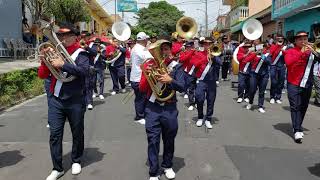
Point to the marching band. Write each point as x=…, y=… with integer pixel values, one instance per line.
x=159, y=69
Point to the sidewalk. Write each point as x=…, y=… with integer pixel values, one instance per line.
x=8, y=65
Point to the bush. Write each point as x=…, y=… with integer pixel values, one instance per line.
x=19, y=85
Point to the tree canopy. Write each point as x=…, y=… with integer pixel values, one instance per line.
x=159, y=18
x=69, y=10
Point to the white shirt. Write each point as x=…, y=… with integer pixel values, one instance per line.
x=139, y=54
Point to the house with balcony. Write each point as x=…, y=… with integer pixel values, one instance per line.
x=297, y=15
x=239, y=12
x=261, y=10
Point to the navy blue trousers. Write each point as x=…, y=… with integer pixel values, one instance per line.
x=192, y=83
x=206, y=90
x=258, y=81
x=244, y=84
x=299, y=101
x=100, y=81
x=90, y=86
x=118, y=76
x=277, y=75
x=139, y=101
x=58, y=111
x=217, y=70
x=128, y=73
x=161, y=120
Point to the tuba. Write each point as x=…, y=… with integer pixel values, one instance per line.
x=252, y=29
x=122, y=32
x=160, y=90
x=186, y=27
x=53, y=49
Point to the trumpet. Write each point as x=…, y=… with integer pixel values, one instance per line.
x=313, y=47
x=215, y=50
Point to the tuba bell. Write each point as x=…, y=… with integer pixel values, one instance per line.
x=252, y=29
x=186, y=27
x=216, y=50
x=53, y=49
x=161, y=91
x=122, y=32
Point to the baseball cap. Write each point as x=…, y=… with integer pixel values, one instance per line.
x=142, y=36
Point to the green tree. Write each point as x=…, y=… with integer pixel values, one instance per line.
x=160, y=18
x=72, y=11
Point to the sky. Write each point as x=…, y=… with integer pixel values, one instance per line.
x=192, y=8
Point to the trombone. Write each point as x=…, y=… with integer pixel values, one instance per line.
x=314, y=47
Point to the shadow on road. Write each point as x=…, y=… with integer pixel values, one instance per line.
x=1, y=125
x=178, y=163
x=287, y=108
x=90, y=156
x=286, y=128
x=315, y=170
x=10, y=158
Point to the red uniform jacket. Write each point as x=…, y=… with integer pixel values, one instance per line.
x=253, y=59
x=274, y=51
x=296, y=62
x=185, y=58
x=176, y=47
x=200, y=61
x=243, y=59
x=110, y=49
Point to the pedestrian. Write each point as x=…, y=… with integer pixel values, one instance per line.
x=300, y=62
x=139, y=54
x=162, y=116
x=67, y=101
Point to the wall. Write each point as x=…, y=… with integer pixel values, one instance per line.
x=302, y=21
x=256, y=6
x=10, y=20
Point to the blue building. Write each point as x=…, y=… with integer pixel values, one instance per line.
x=297, y=15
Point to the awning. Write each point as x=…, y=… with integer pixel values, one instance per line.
x=236, y=27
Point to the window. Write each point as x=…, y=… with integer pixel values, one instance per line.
x=290, y=36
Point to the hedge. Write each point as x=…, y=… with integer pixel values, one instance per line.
x=18, y=86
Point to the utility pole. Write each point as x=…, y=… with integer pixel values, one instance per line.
x=206, y=33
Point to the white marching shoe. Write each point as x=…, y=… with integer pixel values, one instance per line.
x=199, y=122
x=261, y=110
x=154, y=178
x=190, y=108
x=186, y=96
x=90, y=107
x=239, y=100
x=279, y=101
x=141, y=121
x=249, y=106
x=76, y=168
x=113, y=93
x=55, y=175
x=246, y=100
x=208, y=124
x=272, y=101
x=101, y=97
x=123, y=90
x=94, y=95
x=169, y=173
x=298, y=137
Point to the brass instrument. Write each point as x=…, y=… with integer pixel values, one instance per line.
x=52, y=50
x=314, y=47
x=122, y=32
x=161, y=91
x=216, y=49
x=186, y=27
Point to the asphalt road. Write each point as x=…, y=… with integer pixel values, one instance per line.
x=243, y=145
